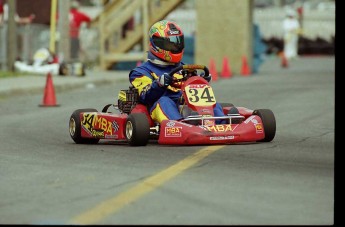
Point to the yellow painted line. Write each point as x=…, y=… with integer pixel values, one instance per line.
x=114, y=204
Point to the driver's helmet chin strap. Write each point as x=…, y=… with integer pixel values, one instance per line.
x=153, y=59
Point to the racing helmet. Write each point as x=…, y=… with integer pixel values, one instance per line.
x=166, y=41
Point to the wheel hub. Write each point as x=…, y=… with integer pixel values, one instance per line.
x=129, y=130
x=72, y=126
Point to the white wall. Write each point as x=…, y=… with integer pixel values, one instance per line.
x=316, y=23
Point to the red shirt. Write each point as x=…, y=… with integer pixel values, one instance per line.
x=1, y=7
x=76, y=18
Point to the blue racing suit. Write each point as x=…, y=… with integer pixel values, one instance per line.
x=162, y=102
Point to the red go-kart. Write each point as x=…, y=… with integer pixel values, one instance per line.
x=131, y=121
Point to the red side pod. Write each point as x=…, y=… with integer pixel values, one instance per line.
x=245, y=111
x=140, y=108
x=103, y=125
x=179, y=133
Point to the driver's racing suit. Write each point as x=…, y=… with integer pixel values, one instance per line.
x=162, y=102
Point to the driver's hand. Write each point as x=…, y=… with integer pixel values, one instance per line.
x=207, y=78
x=164, y=80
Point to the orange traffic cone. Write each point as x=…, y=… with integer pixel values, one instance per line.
x=49, y=98
x=245, y=71
x=213, y=70
x=284, y=61
x=226, y=71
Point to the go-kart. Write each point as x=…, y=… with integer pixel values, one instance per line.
x=131, y=121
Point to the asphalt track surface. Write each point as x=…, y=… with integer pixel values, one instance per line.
x=47, y=179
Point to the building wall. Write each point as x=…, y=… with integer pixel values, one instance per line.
x=315, y=23
x=228, y=35
x=41, y=9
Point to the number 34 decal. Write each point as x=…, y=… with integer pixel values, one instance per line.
x=200, y=95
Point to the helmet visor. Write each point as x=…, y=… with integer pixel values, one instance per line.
x=174, y=44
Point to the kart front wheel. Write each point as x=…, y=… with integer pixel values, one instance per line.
x=269, y=123
x=137, y=129
x=75, y=128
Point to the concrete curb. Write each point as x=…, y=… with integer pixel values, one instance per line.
x=35, y=84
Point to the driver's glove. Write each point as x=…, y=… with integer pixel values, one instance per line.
x=164, y=80
x=207, y=78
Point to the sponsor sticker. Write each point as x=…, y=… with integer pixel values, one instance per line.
x=97, y=133
x=208, y=122
x=222, y=138
x=173, y=132
x=219, y=128
x=115, y=126
x=248, y=119
x=92, y=121
x=170, y=124
x=111, y=136
x=259, y=128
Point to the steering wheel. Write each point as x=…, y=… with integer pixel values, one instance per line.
x=190, y=68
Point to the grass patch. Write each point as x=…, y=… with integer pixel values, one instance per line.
x=6, y=74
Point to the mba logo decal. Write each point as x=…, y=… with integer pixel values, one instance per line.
x=95, y=124
x=173, y=132
x=219, y=128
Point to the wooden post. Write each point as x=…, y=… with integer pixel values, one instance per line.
x=102, y=40
x=12, y=50
x=64, y=42
x=228, y=35
x=145, y=26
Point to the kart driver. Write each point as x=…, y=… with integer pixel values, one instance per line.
x=152, y=79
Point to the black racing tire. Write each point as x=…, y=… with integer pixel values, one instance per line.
x=269, y=123
x=137, y=129
x=75, y=127
x=63, y=69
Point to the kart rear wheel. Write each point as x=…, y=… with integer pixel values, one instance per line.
x=137, y=129
x=75, y=127
x=269, y=123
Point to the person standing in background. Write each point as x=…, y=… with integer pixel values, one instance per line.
x=291, y=28
x=259, y=49
x=76, y=19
